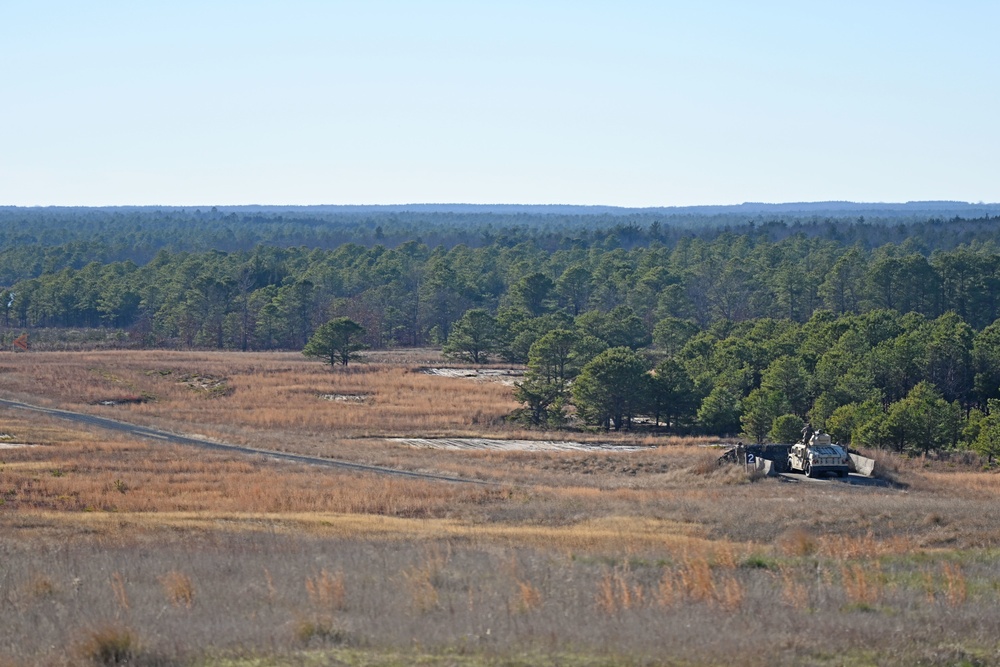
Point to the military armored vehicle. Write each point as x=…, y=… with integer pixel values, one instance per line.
x=818, y=456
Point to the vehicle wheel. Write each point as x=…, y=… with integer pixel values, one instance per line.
x=809, y=471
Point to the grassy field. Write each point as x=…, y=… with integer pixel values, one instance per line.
x=122, y=551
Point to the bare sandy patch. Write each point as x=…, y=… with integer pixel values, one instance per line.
x=503, y=375
x=487, y=444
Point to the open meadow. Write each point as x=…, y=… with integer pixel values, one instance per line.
x=120, y=550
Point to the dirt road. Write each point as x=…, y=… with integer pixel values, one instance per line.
x=853, y=479
x=173, y=438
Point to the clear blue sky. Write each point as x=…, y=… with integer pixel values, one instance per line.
x=627, y=103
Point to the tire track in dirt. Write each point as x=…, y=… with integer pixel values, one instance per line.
x=173, y=438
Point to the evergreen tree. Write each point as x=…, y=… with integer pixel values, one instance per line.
x=786, y=429
x=473, y=336
x=608, y=391
x=921, y=422
x=719, y=412
x=337, y=341
x=760, y=408
x=987, y=442
x=671, y=394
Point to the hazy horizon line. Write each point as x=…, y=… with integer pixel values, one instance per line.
x=810, y=204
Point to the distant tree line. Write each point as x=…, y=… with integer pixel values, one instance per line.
x=413, y=294
x=37, y=241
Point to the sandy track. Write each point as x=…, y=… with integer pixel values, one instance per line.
x=485, y=444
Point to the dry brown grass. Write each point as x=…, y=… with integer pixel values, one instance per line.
x=864, y=583
x=147, y=479
x=797, y=541
x=120, y=592
x=110, y=645
x=528, y=596
x=607, y=549
x=794, y=591
x=956, y=589
x=95, y=471
x=276, y=401
x=634, y=500
x=849, y=547
x=448, y=594
x=273, y=401
x=419, y=582
x=978, y=485
x=262, y=392
x=178, y=589
x=327, y=591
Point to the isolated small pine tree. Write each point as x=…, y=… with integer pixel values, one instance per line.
x=337, y=341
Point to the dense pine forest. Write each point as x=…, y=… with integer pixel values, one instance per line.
x=882, y=329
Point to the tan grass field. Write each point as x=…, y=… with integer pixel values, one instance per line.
x=182, y=556
x=262, y=392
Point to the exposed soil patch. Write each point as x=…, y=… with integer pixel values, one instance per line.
x=212, y=385
x=485, y=444
x=207, y=384
x=503, y=375
x=122, y=400
x=345, y=398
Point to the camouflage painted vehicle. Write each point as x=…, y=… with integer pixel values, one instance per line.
x=818, y=456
